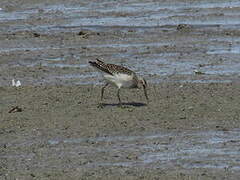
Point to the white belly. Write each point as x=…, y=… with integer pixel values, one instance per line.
x=120, y=80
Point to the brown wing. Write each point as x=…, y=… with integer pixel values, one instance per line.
x=115, y=69
x=110, y=68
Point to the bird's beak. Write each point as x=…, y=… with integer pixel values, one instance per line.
x=145, y=93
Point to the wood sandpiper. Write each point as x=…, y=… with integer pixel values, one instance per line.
x=119, y=76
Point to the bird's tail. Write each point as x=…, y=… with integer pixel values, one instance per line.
x=100, y=65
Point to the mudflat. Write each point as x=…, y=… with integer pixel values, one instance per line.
x=60, y=132
x=52, y=126
x=51, y=42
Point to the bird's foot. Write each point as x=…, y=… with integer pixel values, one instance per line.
x=120, y=105
x=100, y=105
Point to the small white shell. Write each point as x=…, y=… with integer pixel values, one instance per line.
x=16, y=84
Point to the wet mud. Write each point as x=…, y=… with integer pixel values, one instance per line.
x=188, y=130
x=52, y=42
x=52, y=126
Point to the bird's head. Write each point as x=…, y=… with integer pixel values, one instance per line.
x=142, y=82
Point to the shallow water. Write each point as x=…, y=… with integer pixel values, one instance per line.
x=168, y=13
x=207, y=47
x=167, y=149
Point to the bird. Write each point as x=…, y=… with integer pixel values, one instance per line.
x=120, y=77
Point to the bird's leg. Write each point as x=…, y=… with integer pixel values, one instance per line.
x=145, y=93
x=102, y=90
x=118, y=95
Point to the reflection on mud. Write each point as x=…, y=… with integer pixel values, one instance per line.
x=144, y=36
x=186, y=149
x=134, y=14
x=209, y=149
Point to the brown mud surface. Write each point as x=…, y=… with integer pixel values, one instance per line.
x=186, y=131
x=52, y=127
